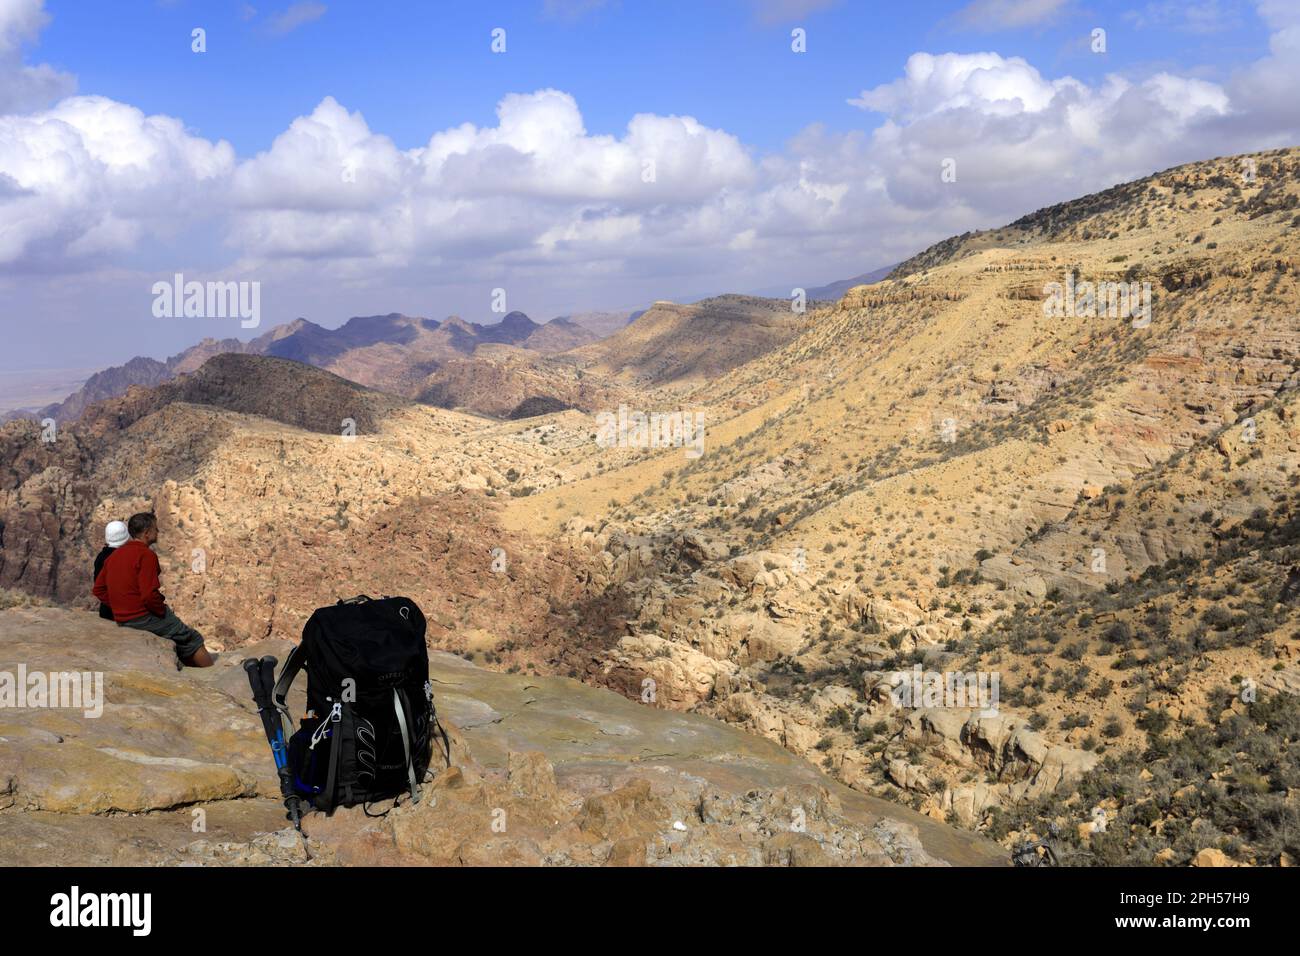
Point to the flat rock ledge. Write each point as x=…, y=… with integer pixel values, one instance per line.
x=546, y=771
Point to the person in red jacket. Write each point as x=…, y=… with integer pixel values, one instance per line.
x=128, y=583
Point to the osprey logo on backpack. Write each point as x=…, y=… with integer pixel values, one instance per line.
x=376, y=741
x=365, y=750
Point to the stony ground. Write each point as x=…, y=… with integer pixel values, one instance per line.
x=545, y=770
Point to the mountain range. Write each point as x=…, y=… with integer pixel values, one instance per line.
x=404, y=354
x=1064, y=453
x=396, y=352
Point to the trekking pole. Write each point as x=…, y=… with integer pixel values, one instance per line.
x=261, y=678
x=280, y=749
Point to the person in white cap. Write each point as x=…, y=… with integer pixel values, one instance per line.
x=115, y=535
x=129, y=583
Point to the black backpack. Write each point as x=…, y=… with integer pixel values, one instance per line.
x=370, y=725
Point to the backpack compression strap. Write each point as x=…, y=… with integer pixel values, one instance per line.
x=328, y=798
x=446, y=741
x=435, y=725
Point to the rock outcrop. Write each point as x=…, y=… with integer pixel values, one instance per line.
x=546, y=771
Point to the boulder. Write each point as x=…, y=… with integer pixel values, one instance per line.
x=1212, y=856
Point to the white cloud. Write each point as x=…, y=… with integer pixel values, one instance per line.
x=1189, y=16
x=91, y=176
x=1265, y=93
x=297, y=15
x=984, y=82
x=20, y=21
x=1021, y=141
x=536, y=187
x=24, y=87
x=333, y=208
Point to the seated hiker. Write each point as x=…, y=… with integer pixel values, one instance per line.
x=128, y=583
x=115, y=535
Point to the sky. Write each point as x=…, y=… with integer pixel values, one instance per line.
x=559, y=156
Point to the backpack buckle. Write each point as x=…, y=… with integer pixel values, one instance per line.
x=335, y=715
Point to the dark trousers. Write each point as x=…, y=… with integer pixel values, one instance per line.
x=187, y=640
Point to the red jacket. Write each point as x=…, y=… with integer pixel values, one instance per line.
x=128, y=583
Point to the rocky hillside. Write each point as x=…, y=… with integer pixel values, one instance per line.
x=397, y=352
x=602, y=323
x=271, y=388
x=670, y=342
x=392, y=352
x=267, y=507
x=558, y=335
x=988, y=465
x=834, y=291
x=106, y=384
x=508, y=383
x=112, y=382
x=643, y=365
x=175, y=771
x=943, y=453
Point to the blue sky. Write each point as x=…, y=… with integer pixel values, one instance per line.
x=357, y=158
x=413, y=67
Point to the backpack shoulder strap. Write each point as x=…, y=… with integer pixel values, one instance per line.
x=292, y=665
x=400, y=708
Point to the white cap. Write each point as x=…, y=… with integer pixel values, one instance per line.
x=115, y=534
